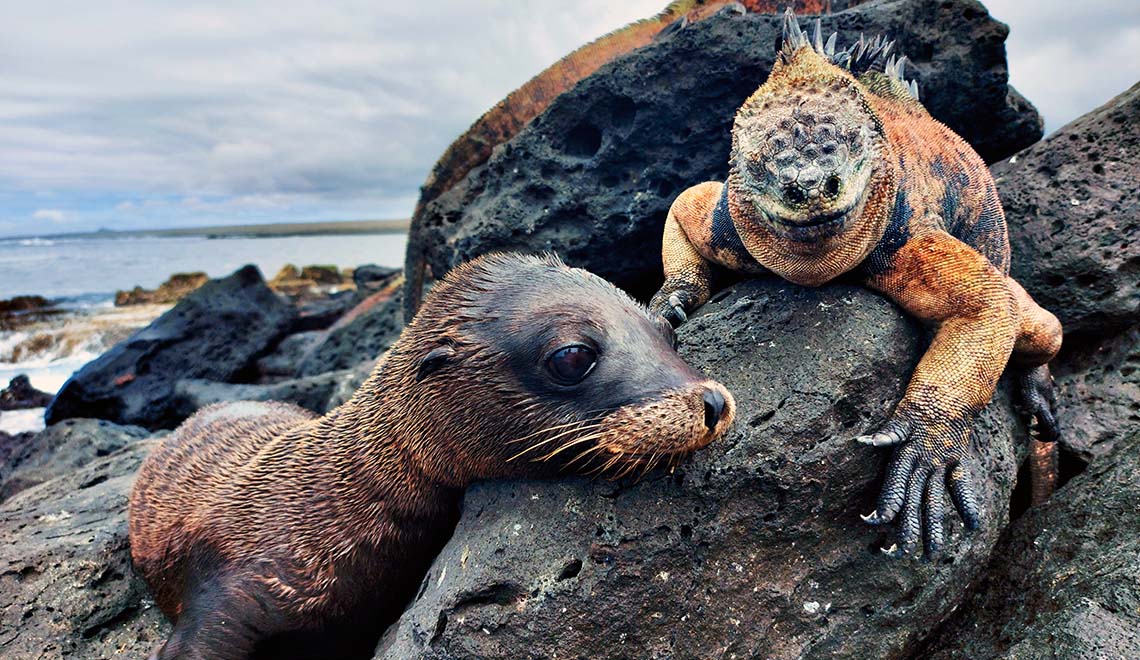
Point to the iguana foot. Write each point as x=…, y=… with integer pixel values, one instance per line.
x=1040, y=401
x=926, y=465
x=673, y=306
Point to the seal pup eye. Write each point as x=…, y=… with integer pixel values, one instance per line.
x=433, y=361
x=570, y=364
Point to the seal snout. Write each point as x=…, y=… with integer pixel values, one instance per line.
x=714, y=408
x=719, y=410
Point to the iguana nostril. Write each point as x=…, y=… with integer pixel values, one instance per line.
x=831, y=186
x=794, y=194
x=714, y=408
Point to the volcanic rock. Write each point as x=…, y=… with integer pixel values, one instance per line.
x=216, y=333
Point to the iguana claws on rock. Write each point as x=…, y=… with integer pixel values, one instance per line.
x=837, y=168
x=507, y=118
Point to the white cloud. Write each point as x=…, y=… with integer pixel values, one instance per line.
x=338, y=109
x=52, y=215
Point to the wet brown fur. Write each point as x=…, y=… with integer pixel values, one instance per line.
x=926, y=229
x=265, y=531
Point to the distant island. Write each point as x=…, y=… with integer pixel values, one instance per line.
x=274, y=230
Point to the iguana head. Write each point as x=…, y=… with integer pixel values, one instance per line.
x=806, y=148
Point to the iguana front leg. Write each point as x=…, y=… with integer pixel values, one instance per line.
x=688, y=275
x=698, y=217
x=946, y=283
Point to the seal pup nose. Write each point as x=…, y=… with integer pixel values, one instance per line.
x=714, y=408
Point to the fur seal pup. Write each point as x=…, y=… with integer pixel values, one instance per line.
x=265, y=531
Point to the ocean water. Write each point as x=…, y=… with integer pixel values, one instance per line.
x=88, y=269
x=82, y=275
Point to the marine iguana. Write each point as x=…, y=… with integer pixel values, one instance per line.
x=836, y=167
x=509, y=116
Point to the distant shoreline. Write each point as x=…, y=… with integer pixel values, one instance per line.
x=271, y=230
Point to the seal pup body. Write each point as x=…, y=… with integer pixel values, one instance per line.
x=265, y=531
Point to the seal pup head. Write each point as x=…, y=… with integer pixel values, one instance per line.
x=522, y=366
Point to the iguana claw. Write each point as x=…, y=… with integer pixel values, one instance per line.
x=922, y=472
x=670, y=306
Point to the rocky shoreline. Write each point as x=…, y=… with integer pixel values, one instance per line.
x=753, y=548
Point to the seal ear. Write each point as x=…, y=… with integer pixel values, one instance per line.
x=434, y=360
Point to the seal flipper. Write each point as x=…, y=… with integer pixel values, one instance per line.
x=215, y=623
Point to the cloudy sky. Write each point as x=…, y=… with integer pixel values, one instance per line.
x=139, y=114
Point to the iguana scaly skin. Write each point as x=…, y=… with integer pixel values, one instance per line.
x=837, y=168
x=509, y=116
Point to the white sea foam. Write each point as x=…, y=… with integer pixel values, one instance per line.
x=22, y=421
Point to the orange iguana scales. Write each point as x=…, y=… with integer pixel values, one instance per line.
x=837, y=168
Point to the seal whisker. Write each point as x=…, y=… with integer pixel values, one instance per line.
x=551, y=428
x=571, y=443
x=606, y=466
x=562, y=434
x=584, y=453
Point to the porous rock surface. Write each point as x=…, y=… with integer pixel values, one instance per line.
x=594, y=175
x=67, y=588
x=1098, y=387
x=60, y=450
x=1065, y=581
x=216, y=332
x=1074, y=218
x=359, y=336
x=754, y=548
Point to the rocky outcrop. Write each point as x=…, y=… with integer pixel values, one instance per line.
x=309, y=282
x=172, y=290
x=1065, y=582
x=216, y=333
x=361, y=335
x=1075, y=218
x=312, y=392
x=371, y=277
x=23, y=310
x=66, y=584
x=283, y=362
x=1098, y=386
x=752, y=549
x=20, y=395
x=60, y=450
x=593, y=176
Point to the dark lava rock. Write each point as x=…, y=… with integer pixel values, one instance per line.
x=754, y=548
x=361, y=335
x=170, y=291
x=312, y=392
x=66, y=584
x=323, y=312
x=371, y=277
x=593, y=176
x=1074, y=218
x=1065, y=581
x=60, y=450
x=1098, y=386
x=216, y=333
x=20, y=395
x=283, y=362
x=22, y=310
